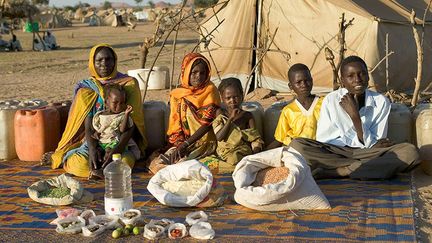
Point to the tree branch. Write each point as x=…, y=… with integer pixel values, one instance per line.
x=418, y=77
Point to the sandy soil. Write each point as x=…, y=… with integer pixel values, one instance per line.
x=28, y=74
x=51, y=76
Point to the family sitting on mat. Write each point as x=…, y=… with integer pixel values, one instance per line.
x=340, y=135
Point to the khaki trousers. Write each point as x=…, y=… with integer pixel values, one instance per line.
x=363, y=163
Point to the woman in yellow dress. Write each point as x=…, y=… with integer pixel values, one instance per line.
x=77, y=151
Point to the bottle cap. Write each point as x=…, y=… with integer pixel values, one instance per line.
x=116, y=156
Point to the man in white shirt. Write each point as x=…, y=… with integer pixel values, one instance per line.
x=15, y=44
x=352, y=131
x=50, y=40
x=39, y=45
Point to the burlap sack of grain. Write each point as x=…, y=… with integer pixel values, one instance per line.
x=77, y=193
x=297, y=191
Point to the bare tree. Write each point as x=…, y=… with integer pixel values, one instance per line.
x=343, y=25
x=165, y=33
x=138, y=2
x=418, y=77
x=151, y=4
x=40, y=2
x=423, y=33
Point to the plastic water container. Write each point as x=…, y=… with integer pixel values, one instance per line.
x=118, y=187
x=419, y=108
x=63, y=109
x=399, y=124
x=424, y=139
x=167, y=73
x=36, y=132
x=154, y=120
x=157, y=79
x=7, y=134
x=257, y=111
x=8, y=109
x=271, y=118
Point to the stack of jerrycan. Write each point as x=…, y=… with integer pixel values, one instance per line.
x=399, y=124
x=7, y=136
x=271, y=118
x=37, y=131
x=63, y=108
x=257, y=111
x=8, y=108
x=423, y=124
x=155, y=125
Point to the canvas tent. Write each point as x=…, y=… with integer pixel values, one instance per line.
x=305, y=28
x=52, y=20
x=113, y=20
x=78, y=14
x=95, y=20
x=141, y=15
x=92, y=19
x=86, y=18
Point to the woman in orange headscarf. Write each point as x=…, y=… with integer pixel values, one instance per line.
x=77, y=149
x=193, y=108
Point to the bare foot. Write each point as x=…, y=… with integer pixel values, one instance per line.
x=96, y=174
x=46, y=158
x=321, y=173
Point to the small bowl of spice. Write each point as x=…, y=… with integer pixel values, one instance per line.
x=177, y=231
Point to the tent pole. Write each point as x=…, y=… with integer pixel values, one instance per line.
x=258, y=34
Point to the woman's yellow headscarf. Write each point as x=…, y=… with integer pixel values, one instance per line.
x=92, y=68
x=84, y=101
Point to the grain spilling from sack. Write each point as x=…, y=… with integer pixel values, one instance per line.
x=185, y=188
x=271, y=175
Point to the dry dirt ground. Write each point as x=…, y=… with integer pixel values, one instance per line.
x=51, y=76
x=28, y=74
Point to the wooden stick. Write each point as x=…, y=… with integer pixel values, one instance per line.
x=145, y=86
x=424, y=20
x=204, y=38
x=382, y=59
x=387, y=62
x=418, y=77
x=427, y=87
x=33, y=40
x=252, y=49
x=330, y=58
x=390, y=95
x=259, y=61
x=342, y=49
x=2, y=5
x=143, y=48
x=423, y=33
x=174, y=47
x=42, y=41
x=214, y=64
x=165, y=40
